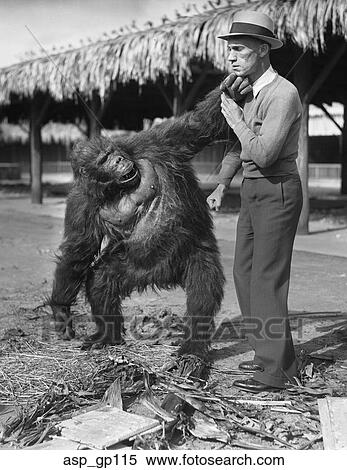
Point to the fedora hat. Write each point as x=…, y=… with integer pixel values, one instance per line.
x=255, y=24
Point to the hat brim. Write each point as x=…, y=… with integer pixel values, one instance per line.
x=273, y=42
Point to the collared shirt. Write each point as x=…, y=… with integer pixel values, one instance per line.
x=268, y=76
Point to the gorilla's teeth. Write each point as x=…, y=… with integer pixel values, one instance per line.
x=130, y=176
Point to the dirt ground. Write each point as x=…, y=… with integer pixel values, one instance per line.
x=29, y=237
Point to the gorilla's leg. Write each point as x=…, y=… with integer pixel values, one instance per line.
x=68, y=278
x=103, y=295
x=204, y=281
x=72, y=266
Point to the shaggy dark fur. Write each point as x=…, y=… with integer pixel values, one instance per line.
x=138, y=199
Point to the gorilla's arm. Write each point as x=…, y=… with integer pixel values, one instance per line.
x=191, y=132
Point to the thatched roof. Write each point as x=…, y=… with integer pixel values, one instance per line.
x=51, y=132
x=167, y=50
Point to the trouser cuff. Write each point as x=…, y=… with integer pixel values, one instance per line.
x=272, y=380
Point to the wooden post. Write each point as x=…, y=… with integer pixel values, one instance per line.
x=94, y=127
x=104, y=106
x=38, y=111
x=344, y=151
x=165, y=96
x=324, y=74
x=180, y=102
x=302, y=75
x=303, y=226
x=178, y=106
x=36, y=160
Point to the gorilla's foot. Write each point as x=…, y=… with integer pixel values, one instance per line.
x=200, y=349
x=99, y=340
x=63, y=322
x=192, y=367
x=68, y=334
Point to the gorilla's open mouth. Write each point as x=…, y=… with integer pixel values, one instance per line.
x=130, y=175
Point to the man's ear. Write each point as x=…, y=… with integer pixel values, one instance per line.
x=264, y=49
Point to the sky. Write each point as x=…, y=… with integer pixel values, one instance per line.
x=62, y=22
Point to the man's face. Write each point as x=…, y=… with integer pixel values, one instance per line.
x=244, y=55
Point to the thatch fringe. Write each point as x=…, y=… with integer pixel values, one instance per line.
x=167, y=50
x=51, y=133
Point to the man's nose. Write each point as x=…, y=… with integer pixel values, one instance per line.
x=232, y=56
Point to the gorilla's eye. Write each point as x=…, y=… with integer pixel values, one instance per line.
x=103, y=156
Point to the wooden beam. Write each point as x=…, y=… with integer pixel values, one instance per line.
x=195, y=88
x=325, y=73
x=165, y=95
x=344, y=151
x=81, y=129
x=324, y=109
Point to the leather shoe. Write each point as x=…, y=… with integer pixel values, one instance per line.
x=250, y=366
x=251, y=385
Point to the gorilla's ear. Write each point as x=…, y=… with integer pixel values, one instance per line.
x=77, y=157
x=78, y=146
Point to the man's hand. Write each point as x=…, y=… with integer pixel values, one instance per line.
x=231, y=111
x=214, y=200
x=236, y=87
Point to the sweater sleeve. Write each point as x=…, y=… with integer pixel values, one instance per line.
x=264, y=149
x=230, y=165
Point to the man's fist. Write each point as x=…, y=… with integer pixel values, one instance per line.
x=236, y=87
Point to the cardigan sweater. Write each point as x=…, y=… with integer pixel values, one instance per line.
x=267, y=137
x=267, y=77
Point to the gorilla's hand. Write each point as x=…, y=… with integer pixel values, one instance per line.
x=214, y=200
x=236, y=87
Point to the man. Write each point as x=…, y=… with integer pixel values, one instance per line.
x=267, y=129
